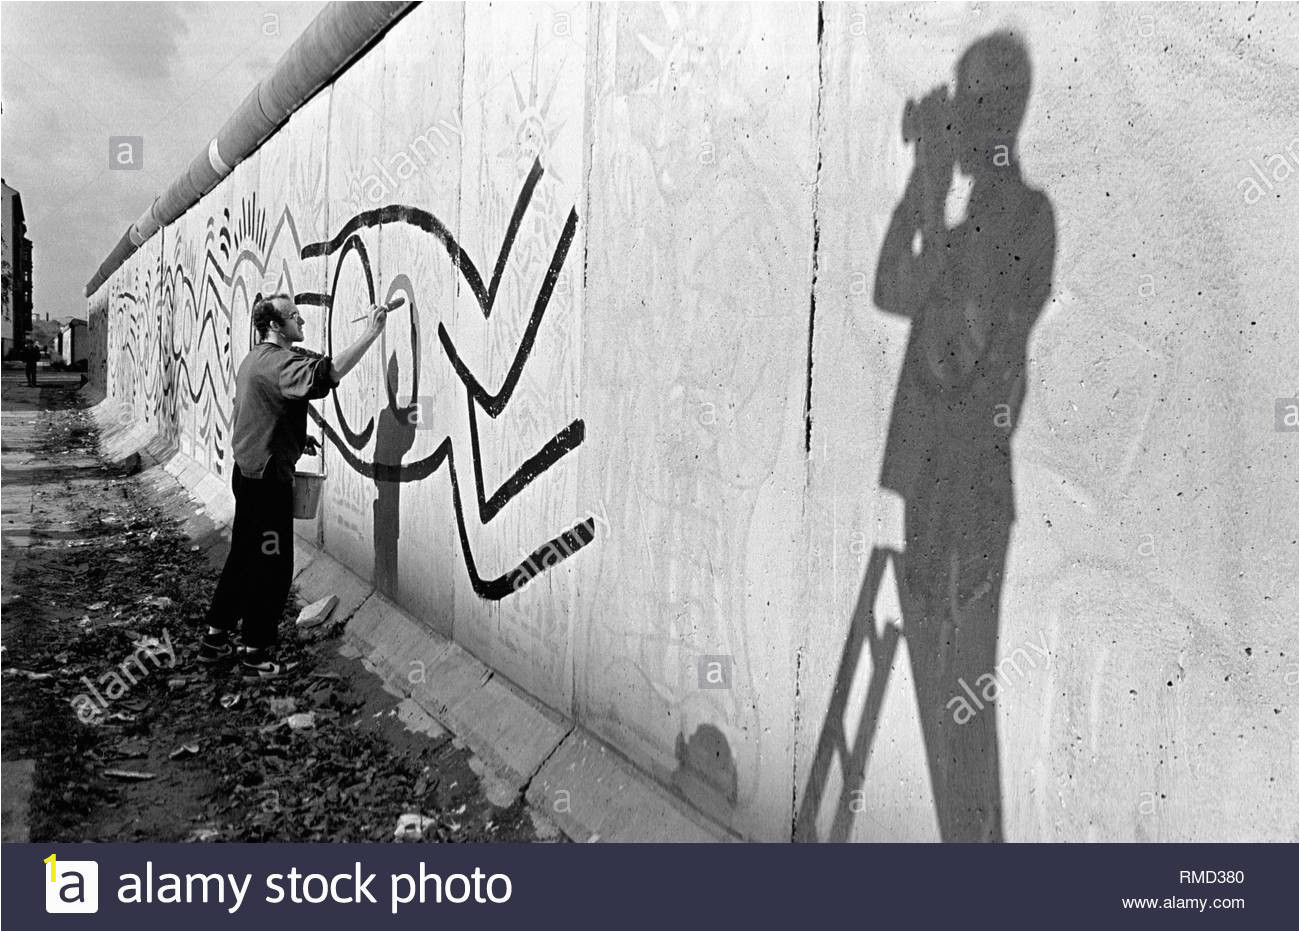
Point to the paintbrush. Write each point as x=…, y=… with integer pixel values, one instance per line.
x=390, y=306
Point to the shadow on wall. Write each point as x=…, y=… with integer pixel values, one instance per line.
x=394, y=437
x=706, y=770
x=973, y=293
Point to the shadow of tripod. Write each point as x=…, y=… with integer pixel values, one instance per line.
x=834, y=741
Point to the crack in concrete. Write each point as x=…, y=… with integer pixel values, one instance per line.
x=794, y=775
x=816, y=225
x=527, y=784
x=812, y=314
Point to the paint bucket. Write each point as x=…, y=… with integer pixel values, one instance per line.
x=306, y=494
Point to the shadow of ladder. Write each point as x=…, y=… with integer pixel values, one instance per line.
x=833, y=742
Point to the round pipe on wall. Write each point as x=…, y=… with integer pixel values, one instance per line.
x=146, y=226
x=335, y=38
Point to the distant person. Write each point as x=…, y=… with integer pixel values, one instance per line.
x=274, y=384
x=31, y=355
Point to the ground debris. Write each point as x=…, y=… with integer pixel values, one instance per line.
x=411, y=826
x=283, y=706
x=318, y=612
x=136, y=742
x=130, y=748
x=30, y=674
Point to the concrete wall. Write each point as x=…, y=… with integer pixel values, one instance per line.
x=71, y=343
x=657, y=387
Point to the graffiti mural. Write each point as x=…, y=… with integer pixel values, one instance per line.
x=133, y=315
x=350, y=438
x=181, y=376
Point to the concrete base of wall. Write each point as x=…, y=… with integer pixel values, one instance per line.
x=566, y=774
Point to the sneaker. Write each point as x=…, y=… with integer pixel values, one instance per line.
x=256, y=664
x=214, y=648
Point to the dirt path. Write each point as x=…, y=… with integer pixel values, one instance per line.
x=132, y=741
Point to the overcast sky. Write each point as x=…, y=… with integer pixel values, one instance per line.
x=74, y=74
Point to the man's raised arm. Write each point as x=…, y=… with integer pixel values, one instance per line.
x=347, y=360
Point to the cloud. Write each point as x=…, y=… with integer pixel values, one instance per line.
x=75, y=74
x=138, y=41
x=103, y=44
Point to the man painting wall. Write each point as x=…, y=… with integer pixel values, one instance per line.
x=275, y=382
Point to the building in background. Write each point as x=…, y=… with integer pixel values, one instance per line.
x=45, y=334
x=70, y=348
x=17, y=260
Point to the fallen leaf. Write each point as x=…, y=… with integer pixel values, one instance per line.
x=285, y=706
x=131, y=747
x=30, y=674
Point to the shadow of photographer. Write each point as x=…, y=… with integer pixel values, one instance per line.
x=972, y=293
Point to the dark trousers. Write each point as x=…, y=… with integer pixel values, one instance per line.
x=31, y=372
x=255, y=580
x=953, y=568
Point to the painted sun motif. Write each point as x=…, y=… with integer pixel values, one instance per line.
x=251, y=227
x=535, y=133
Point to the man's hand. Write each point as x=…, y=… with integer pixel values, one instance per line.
x=311, y=447
x=346, y=361
x=378, y=314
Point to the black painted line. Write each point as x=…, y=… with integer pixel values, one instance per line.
x=356, y=439
x=423, y=220
x=559, y=548
x=567, y=440
x=492, y=403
